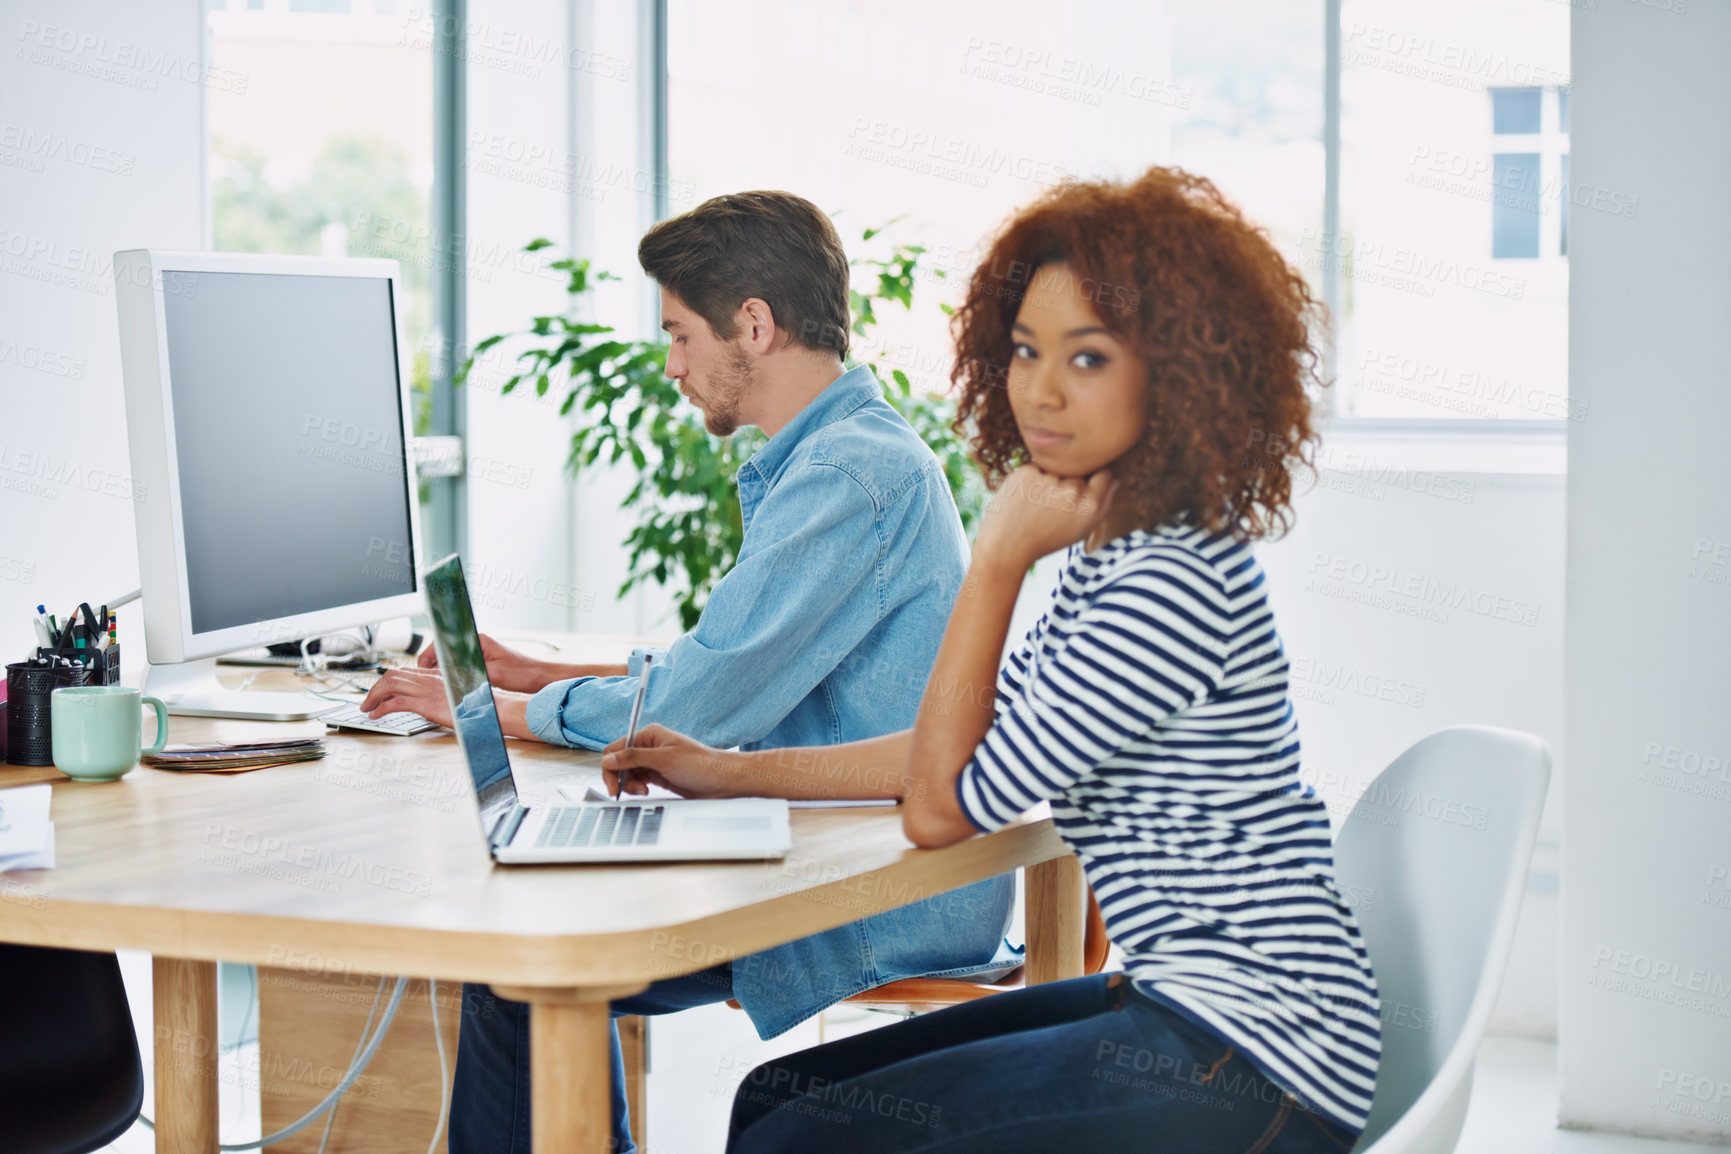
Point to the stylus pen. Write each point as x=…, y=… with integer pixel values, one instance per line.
x=636, y=714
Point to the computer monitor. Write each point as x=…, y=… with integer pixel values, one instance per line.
x=268, y=421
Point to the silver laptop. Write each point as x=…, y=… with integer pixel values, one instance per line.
x=638, y=829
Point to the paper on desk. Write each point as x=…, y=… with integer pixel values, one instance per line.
x=656, y=793
x=593, y=794
x=27, y=842
x=839, y=802
x=42, y=859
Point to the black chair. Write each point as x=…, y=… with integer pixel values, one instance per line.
x=70, y=1076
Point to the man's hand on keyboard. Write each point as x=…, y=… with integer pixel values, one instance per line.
x=506, y=668
x=412, y=690
x=516, y=672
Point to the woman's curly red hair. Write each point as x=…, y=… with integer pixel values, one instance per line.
x=1221, y=320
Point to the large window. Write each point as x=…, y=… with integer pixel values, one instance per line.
x=1453, y=286
x=1255, y=71
x=1443, y=249
x=941, y=117
x=327, y=146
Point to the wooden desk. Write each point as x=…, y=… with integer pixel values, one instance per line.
x=371, y=861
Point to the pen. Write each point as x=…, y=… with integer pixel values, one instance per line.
x=636, y=714
x=41, y=624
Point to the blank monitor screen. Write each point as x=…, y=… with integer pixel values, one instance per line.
x=288, y=432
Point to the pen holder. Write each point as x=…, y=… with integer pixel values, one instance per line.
x=102, y=665
x=28, y=738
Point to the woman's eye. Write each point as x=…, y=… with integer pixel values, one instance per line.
x=1023, y=352
x=1088, y=360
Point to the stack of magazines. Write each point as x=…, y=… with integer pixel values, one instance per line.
x=236, y=758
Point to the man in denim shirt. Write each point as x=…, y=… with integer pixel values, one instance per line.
x=823, y=632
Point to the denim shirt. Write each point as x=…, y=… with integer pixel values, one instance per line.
x=824, y=631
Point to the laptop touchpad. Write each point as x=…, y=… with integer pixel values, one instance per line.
x=727, y=823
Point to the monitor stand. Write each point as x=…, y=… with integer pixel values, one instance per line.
x=191, y=689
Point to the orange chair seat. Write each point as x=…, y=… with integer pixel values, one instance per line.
x=921, y=995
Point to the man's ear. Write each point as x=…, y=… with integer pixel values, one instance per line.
x=756, y=325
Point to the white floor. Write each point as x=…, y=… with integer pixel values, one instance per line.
x=701, y=1055
x=1514, y=1109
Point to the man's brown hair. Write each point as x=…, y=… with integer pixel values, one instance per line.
x=775, y=246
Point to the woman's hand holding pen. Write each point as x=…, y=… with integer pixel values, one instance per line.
x=659, y=756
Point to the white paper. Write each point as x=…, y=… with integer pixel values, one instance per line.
x=27, y=842
x=839, y=802
x=24, y=813
x=42, y=859
x=656, y=793
x=593, y=794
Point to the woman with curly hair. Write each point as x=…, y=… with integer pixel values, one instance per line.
x=1134, y=361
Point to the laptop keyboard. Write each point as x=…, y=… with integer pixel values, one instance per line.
x=586, y=826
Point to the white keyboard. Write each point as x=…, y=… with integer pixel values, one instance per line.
x=402, y=723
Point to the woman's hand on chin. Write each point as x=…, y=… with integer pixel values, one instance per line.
x=1034, y=513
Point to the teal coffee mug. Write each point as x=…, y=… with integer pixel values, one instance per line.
x=98, y=730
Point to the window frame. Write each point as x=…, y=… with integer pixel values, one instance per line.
x=1430, y=431
x=444, y=521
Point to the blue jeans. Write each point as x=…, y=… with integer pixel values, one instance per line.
x=490, y=1094
x=1079, y=1066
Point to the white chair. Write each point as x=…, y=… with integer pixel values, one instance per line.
x=1434, y=856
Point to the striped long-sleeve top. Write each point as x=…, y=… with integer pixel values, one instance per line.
x=1149, y=706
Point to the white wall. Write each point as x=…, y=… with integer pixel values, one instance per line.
x=1646, y=977
x=1411, y=600
x=101, y=145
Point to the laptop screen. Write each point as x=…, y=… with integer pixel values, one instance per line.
x=469, y=691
